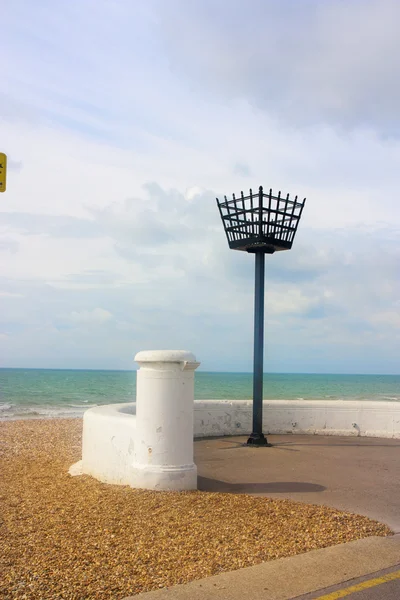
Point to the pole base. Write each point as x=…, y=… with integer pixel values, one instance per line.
x=258, y=439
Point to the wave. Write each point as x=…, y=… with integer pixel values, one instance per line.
x=12, y=412
x=82, y=407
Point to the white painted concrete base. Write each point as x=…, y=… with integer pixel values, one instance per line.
x=163, y=452
x=179, y=478
x=109, y=431
x=76, y=469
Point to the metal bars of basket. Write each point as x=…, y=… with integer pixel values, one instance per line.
x=260, y=222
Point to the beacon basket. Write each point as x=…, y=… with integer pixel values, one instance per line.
x=260, y=222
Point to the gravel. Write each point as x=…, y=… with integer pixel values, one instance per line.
x=75, y=538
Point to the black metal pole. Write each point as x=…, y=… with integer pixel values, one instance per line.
x=257, y=437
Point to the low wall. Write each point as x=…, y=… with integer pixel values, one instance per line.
x=108, y=442
x=109, y=431
x=317, y=417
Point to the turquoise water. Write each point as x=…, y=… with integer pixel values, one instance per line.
x=30, y=393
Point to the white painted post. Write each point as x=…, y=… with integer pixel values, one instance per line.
x=163, y=453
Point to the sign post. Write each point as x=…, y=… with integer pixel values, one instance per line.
x=3, y=171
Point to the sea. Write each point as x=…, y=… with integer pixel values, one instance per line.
x=48, y=393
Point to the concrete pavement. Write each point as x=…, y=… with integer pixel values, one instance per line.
x=356, y=474
x=360, y=475
x=289, y=578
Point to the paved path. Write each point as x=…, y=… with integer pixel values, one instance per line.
x=288, y=578
x=360, y=475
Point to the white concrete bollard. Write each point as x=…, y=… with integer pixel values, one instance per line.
x=163, y=452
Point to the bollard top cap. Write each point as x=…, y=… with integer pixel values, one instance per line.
x=169, y=356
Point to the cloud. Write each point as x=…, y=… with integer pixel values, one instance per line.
x=55, y=225
x=127, y=136
x=8, y=245
x=318, y=63
x=6, y=294
x=241, y=169
x=389, y=319
x=93, y=278
x=97, y=315
x=292, y=301
x=193, y=192
x=14, y=165
x=187, y=287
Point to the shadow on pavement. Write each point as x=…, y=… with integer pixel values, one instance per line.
x=274, y=487
x=341, y=445
x=353, y=442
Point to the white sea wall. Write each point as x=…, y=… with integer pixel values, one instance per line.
x=108, y=442
x=109, y=432
x=316, y=417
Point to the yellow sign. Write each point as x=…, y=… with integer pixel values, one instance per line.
x=3, y=171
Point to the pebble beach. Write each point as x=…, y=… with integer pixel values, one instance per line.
x=75, y=538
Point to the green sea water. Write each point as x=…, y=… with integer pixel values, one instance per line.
x=30, y=393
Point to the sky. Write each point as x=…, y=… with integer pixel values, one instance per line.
x=123, y=120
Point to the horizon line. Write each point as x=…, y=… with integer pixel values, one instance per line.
x=134, y=370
